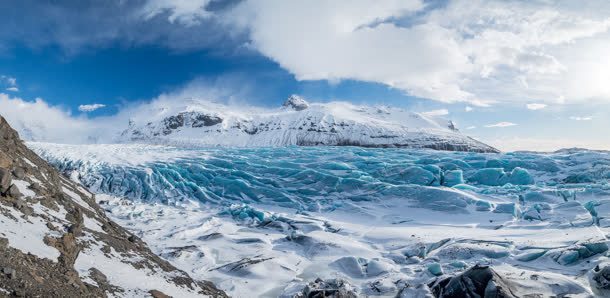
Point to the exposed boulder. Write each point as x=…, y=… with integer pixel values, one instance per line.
x=331, y=288
x=5, y=180
x=19, y=173
x=478, y=281
x=14, y=192
x=600, y=280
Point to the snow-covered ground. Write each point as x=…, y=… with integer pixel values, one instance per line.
x=267, y=221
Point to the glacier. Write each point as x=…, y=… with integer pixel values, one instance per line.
x=381, y=221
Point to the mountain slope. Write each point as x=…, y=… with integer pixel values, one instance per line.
x=296, y=123
x=56, y=241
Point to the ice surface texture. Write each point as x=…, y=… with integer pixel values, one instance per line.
x=324, y=178
x=375, y=217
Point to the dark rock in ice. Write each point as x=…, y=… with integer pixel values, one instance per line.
x=478, y=281
x=241, y=267
x=158, y=294
x=210, y=236
x=249, y=241
x=600, y=279
x=331, y=288
x=182, y=251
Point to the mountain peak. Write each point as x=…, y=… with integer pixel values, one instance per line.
x=296, y=103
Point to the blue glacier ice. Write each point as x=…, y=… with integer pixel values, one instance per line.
x=454, y=177
x=489, y=177
x=435, y=269
x=520, y=176
x=330, y=178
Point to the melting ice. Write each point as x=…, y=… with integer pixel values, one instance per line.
x=382, y=221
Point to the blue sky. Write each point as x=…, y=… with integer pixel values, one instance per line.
x=517, y=74
x=116, y=75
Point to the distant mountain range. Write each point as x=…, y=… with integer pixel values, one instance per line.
x=297, y=122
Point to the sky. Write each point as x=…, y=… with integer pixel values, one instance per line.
x=519, y=75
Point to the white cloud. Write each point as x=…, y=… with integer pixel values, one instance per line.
x=501, y=124
x=468, y=50
x=433, y=113
x=38, y=121
x=535, y=106
x=468, y=109
x=9, y=82
x=186, y=12
x=471, y=127
x=581, y=118
x=91, y=107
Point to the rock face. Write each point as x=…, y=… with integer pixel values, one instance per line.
x=56, y=241
x=478, y=281
x=296, y=103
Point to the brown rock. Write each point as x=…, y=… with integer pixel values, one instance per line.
x=158, y=294
x=14, y=192
x=5, y=180
x=19, y=173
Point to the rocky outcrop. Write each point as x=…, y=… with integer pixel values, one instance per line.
x=296, y=103
x=600, y=280
x=331, y=288
x=56, y=241
x=478, y=281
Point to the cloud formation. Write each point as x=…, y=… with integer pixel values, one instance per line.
x=91, y=107
x=9, y=82
x=82, y=26
x=440, y=112
x=581, y=118
x=38, y=121
x=500, y=124
x=535, y=106
x=476, y=51
x=188, y=12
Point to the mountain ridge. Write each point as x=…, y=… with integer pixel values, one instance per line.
x=297, y=122
x=55, y=240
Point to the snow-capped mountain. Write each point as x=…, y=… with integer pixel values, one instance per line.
x=297, y=122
